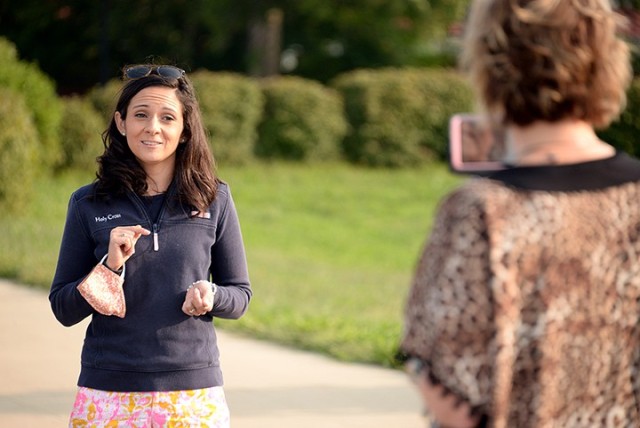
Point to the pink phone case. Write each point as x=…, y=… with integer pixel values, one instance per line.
x=468, y=154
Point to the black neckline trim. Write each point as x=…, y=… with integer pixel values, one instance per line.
x=592, y=175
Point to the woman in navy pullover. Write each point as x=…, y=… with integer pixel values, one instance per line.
x=152, y=252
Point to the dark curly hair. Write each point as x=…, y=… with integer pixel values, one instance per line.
x=119, y=171
x=547, y=60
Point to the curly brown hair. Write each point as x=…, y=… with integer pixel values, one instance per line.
x=195, y=179
x=548, y=60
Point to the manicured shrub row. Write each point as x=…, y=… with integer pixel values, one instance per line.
x=303, y=121
x=80, y=129
x=390, y=117
x=231, y=106
x=399, y=117
x=382, y=118
x=39, y=94
x=19, y=146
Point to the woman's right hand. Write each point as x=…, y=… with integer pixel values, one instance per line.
x=444, y=406
x=122, y=242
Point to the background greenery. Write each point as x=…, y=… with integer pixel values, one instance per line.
x=80, y=43
x=331, y=236
x=331, y=249
x=331, y=244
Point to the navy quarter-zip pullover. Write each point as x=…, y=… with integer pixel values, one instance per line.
x=155, y=347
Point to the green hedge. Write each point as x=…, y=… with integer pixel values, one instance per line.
x=19, y=146
x=231, y=107
x=399, y=117
x=385, y=117
x=303, y=121
x=81, y=130
x=40, y=98
x=105, y=97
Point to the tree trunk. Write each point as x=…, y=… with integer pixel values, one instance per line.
x=265, y=44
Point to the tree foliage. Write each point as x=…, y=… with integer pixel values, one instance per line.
x=80, y=42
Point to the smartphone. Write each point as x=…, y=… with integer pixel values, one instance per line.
x=476, y=146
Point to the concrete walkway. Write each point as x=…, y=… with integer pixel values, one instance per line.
x=267, y=386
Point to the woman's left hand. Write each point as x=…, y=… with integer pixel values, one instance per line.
x=199, y=299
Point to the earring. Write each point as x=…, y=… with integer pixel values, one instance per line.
x=124, y=133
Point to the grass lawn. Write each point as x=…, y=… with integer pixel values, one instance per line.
x=331, y=249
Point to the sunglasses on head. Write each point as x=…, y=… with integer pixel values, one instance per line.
x=138, y=71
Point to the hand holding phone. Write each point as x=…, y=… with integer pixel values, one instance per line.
x=476, y=146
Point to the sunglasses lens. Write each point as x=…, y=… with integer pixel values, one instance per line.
x=137, y=71
x=170, y=71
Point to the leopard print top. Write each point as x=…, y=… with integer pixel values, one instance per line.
x=526, y=304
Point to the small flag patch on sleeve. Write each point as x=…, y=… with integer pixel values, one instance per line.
x=200, y=214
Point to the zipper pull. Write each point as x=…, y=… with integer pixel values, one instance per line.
x=156, y=246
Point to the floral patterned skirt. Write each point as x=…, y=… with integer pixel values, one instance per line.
x=202, y=408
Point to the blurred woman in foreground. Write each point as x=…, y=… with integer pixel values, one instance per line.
x=524, y=310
